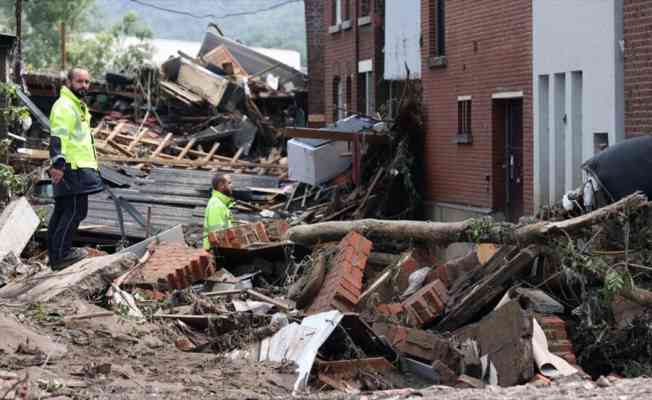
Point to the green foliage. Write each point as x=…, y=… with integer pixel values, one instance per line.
x=10, y=181
x=106, y=50
x=480, y=228
x=42, y=19
x=10, y=111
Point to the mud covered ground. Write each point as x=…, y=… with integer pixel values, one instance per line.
x=110, y=358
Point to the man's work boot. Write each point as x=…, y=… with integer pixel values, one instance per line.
x=76, y=254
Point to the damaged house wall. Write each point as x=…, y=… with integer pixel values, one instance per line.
x=578, y=89
x=477, y=74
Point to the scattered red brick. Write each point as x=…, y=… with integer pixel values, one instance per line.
x=343, y=282
x=246, y=235
x=441, y=273
x=416, y=342
x=184, y=344
x=392, y=309
x=427, y=304
x=407, y=267
x=557, y=336
x=175, y=265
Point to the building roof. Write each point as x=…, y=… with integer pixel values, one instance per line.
x=254, y=62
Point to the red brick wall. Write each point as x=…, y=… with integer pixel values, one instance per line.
x=314, y=11
x=638, y=67
x=488, y=50
x=341, y=55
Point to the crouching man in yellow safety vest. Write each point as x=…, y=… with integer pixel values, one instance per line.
x=74, y=168
x=218, y=215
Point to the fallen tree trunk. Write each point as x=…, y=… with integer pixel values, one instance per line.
x=472, y=230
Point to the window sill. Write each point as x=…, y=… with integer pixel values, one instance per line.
x=437, y=62
x=346, y=25
x=463, y=138
x=364, y=21
x=334, y=28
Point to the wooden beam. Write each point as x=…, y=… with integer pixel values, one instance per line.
x=35, y=154
x=186, y=149
x=211, y=153
x=309, y=133
x=114, y=132
x=120, y=148
x=237, y=155
x=162, y=145
x=369, y=191
x=137, y=139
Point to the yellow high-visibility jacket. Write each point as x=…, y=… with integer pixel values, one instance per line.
x=217, y=215
x=70, y=121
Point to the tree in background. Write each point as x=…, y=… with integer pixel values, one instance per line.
x=110, y=50
x=99, y=52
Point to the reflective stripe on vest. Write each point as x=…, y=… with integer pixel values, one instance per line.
x=70, y=122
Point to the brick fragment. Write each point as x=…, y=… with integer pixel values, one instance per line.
x=426, y=304
x=392, y=309
x=343, y=283
x=174, y=265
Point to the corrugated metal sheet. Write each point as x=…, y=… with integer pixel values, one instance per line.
x=402, y=36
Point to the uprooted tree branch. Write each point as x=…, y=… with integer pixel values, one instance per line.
x=548, y=235
x=472, y=230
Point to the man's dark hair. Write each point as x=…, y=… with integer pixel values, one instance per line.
x=217, y=179
x=71, y=73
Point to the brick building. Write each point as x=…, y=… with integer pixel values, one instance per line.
x=352, y=59
x=477, y=91
x=314, y=11
x=638, y=64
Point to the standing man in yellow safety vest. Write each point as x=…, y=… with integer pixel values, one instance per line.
x=218, y=215
x=74, y=168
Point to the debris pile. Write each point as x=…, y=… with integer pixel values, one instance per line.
x=326, y=278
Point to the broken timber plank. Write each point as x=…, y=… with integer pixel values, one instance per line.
x=211, y=153
x=270, y=300
x=137, y=139
x=34, y=154
x=294, y=191
x=120, y=148
x=186, y=149
x=116, y=130
x=18, y=222
x=363, y=203
x=86, y=277
x=464, y=308
x=162, y=145
x=237, y=155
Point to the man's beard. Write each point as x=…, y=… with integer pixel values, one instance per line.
x=80, y=93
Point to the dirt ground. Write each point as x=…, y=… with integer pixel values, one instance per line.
x=110, y=358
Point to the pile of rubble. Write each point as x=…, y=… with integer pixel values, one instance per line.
x=346, y=309
x=326, y=275
x=161, y=135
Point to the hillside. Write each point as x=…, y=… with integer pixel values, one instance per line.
x=280, y=28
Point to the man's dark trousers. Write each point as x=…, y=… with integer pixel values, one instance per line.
x=69, y=212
